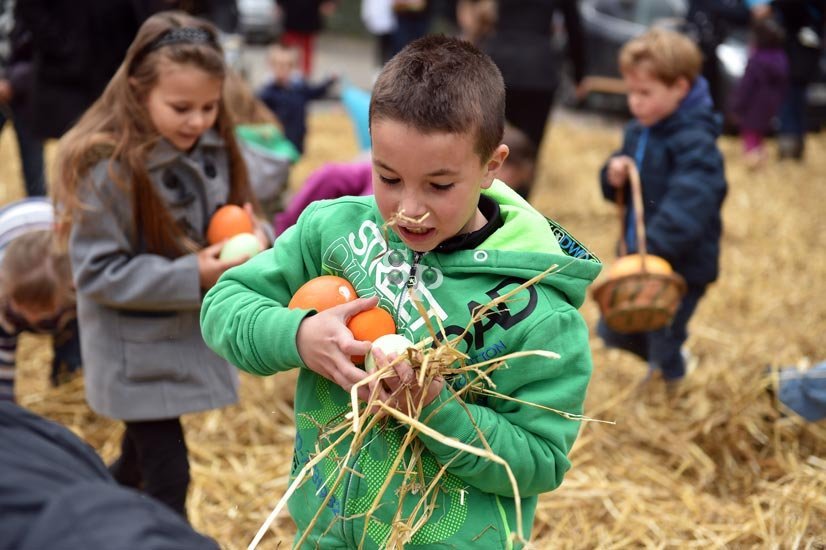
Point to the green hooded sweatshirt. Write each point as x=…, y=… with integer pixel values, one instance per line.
x=245, y=319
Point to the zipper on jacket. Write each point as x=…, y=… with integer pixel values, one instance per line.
x=411, y=279
x=411, y=282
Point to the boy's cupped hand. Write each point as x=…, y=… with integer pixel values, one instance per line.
x=325, y=344
x=402, y=390
x=617, y=172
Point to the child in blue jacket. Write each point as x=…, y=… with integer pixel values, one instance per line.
x=673, y=141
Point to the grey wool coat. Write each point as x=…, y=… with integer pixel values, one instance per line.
x=143, y=354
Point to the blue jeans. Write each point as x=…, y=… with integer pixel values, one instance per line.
x=661, y=348
x=804, y=392
x=31, y=156
x=793, y=111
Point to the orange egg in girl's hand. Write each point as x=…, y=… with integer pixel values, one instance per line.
x=228, y=221
x=322, y=293
x=370, y=325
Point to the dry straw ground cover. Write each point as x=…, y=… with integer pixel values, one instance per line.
x=718, y=467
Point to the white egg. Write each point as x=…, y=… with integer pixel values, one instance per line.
x=389, y=343
x=239, y=246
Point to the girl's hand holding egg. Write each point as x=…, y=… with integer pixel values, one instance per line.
x=211, y=266
x=258, y=229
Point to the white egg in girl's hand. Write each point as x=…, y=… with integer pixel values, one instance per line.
x=239, y=246
x=389, y=343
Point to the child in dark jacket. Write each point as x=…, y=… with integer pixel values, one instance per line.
x=288, y=94
x=760, y=93
x=672, y=139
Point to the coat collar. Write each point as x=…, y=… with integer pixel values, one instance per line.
x=165, y=153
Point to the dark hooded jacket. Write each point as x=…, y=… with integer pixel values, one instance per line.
x=683, y=186
x=759, y=94
x=56, y=493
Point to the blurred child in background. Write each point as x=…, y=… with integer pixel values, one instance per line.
x=268, y=154
x=288, y=94
x=140, y=176
x=476, y=19
x=36, y=292
x=673, y=141
x=803, y=23
x=303, y=19
x=759, y=94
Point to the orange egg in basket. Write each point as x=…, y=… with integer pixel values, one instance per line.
x=322, y=293
x=632, y=263
x=228, y=221
x=370, y=325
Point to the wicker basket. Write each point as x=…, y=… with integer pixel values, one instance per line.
x=641, y=301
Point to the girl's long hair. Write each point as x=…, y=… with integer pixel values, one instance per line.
x=118, y=127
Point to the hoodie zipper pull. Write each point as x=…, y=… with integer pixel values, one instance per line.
x=411, y=279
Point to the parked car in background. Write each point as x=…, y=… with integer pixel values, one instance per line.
x=259, y=20
x=608, y=24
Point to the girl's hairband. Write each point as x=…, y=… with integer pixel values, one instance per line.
x=180, y=35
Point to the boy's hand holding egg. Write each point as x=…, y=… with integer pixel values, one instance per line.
x=407, y=395
x=323, y=340
x=335, y=300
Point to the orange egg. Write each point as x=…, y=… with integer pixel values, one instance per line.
x=228, y=221
x=322, y=293
x=370, y=325
x=628, y=265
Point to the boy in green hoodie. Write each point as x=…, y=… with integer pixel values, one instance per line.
x=436, y=120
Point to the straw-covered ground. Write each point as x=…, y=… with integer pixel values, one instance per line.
x=719, y=467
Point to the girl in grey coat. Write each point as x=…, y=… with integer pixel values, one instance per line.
x=140, y=176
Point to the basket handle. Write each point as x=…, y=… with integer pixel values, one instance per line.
x=636, y=197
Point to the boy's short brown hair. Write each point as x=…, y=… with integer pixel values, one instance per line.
x=667, y=55
x=443, y=84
